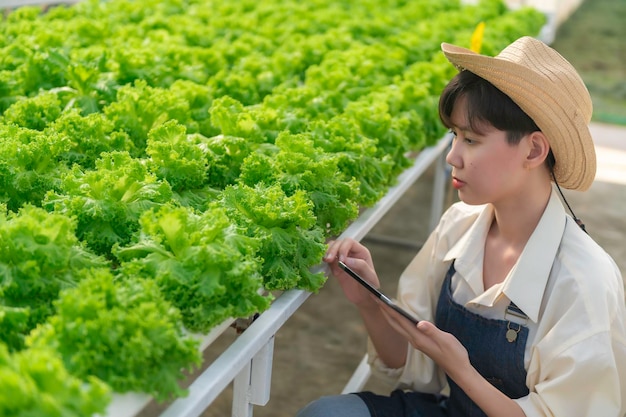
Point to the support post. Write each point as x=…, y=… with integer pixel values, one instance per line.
x=252, y=385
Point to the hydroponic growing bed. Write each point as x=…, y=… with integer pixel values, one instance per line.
x=167, y=166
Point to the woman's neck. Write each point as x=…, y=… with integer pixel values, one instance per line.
x=516, y=219
x=512, y=226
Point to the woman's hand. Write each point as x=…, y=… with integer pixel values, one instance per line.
x=440, y=346
x=390, y=345
x=358, y=258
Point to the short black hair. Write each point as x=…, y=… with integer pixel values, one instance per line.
x=485, y=103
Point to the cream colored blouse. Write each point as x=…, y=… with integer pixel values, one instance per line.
x=568, y=286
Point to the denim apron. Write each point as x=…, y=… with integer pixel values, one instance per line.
x=495, y=347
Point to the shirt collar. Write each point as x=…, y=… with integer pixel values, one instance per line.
x=468, y=252
x=527, y=280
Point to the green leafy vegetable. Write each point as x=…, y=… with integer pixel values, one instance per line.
x=34, y=113
x=34, y=382
x=177, y=157
x=121, y=331
x=201, y=262
x=39, y=256
x=29, y=165
x=297, y=165
x=108, y=201
x=291, y=243
x=88, y=137
x=139, y=108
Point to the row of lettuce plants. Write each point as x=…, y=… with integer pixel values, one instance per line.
x=168, y=164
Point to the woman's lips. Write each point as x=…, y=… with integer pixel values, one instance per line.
x=457, y=183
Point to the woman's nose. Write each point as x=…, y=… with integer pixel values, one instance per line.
x=453, y=158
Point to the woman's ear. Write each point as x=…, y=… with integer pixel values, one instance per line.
x=538, y=149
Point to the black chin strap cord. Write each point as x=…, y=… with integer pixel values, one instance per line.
x=576, y=219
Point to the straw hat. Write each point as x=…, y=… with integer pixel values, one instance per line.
x=547, y=88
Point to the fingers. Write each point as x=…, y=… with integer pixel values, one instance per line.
x=427, y=328
x=356, y=257
x=342, y=250
x=400, y=323
x=422, y=336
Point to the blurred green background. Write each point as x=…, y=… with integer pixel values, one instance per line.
x=593, y=39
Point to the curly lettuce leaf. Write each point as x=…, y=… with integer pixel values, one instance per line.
x=14, y=326
x=201, y=262
x=140, y=107
x=89, y=136
x=231, y=118
x=291, y=242
x=121, y=331
x=39, y=256
x=297, y=165
x=29, y=165
x=34, y=112
x=35, y=382
x=176, y=157
x=108, y=201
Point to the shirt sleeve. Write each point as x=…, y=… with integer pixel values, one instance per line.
x=578, y=360
x=585, y=380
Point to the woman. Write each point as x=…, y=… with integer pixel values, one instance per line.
x=521, y=312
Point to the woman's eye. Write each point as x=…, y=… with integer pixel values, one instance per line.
x=464, y=138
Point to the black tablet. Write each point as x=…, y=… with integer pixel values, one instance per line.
x=377, y=293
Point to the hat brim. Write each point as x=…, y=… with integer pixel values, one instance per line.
x=564, y=125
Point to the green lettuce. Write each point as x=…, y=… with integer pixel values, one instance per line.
x=108, y=201
x=297, y=165
x=40, y=255
x=34, y=382
x=121, y=331
x=201, y=261
x=291, y=242
x=30, y=165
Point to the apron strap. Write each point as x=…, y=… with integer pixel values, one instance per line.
x=514, y=310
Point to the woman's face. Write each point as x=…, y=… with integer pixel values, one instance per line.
x=485, y=167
